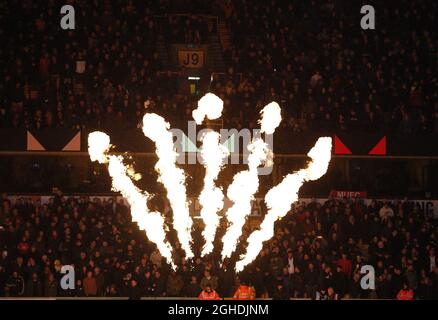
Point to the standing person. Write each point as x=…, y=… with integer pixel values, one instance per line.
x=79, y=290
x=311, y=280
x=175, y=284
x=90, y=285
x=158, y=285
x=226, y=280
x=192, y=289
x=34, y=287
x=50, y=286
x=15, y=285
x=209, y=279
x=100, y=281
x=296, y=283
x=3, y=279
x=280, y=292
x=134, y=290
x=340, y=281
x=208, y=294
x=345, y=264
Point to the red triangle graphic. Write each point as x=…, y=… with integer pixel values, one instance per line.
x=33, y=144
x=379, y=148
x=74, y=144
x=340, y=147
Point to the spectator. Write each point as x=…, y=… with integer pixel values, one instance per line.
x=321, y=294
x=3, y=279
x=208, y=294
x=135, y=292
x=244, y=291
x=192, y=289
x=340, y=281
x=297, y=283
x=280, y=292
x=405, y=293
x=311, y=280
x=345, y=264
x=158, y=285
x=208, y=279
x=15, y=285
x=331, y=294
x=100, y=281
x=34, y=287
x=79, y=290
x=404, y=257
x=175, y=284
x=90, y=285
x=50, y=286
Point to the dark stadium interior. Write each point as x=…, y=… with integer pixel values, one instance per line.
x=329, y=76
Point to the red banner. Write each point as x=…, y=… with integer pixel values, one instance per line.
x=347, y=194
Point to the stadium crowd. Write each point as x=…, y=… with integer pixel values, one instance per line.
x=313, y=58
x=317, y=252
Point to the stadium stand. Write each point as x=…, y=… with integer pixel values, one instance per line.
x=326, y=73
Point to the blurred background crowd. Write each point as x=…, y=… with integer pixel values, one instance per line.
x=314, y=59
x=317, y=248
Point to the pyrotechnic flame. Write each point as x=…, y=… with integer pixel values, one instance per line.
x=98, y=146
x=280, y=198
x=209, y=106
x=172, y=177
x=213, y=153
x=151, y=222
x=241, y=191
x=246, y=183
x=271, y=118
x=211, y=197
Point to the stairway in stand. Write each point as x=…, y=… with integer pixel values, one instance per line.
x=215, y=53
x=163, y=53
x=224, y=35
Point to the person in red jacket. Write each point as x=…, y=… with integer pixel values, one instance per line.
x=244, y=292
x=208, y=294
x=405, y=293
x=345, y=265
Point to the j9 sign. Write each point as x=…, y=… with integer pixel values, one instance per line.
x=191, y=58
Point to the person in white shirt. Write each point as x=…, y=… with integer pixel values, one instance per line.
x=432, y=260
x=290, y=262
